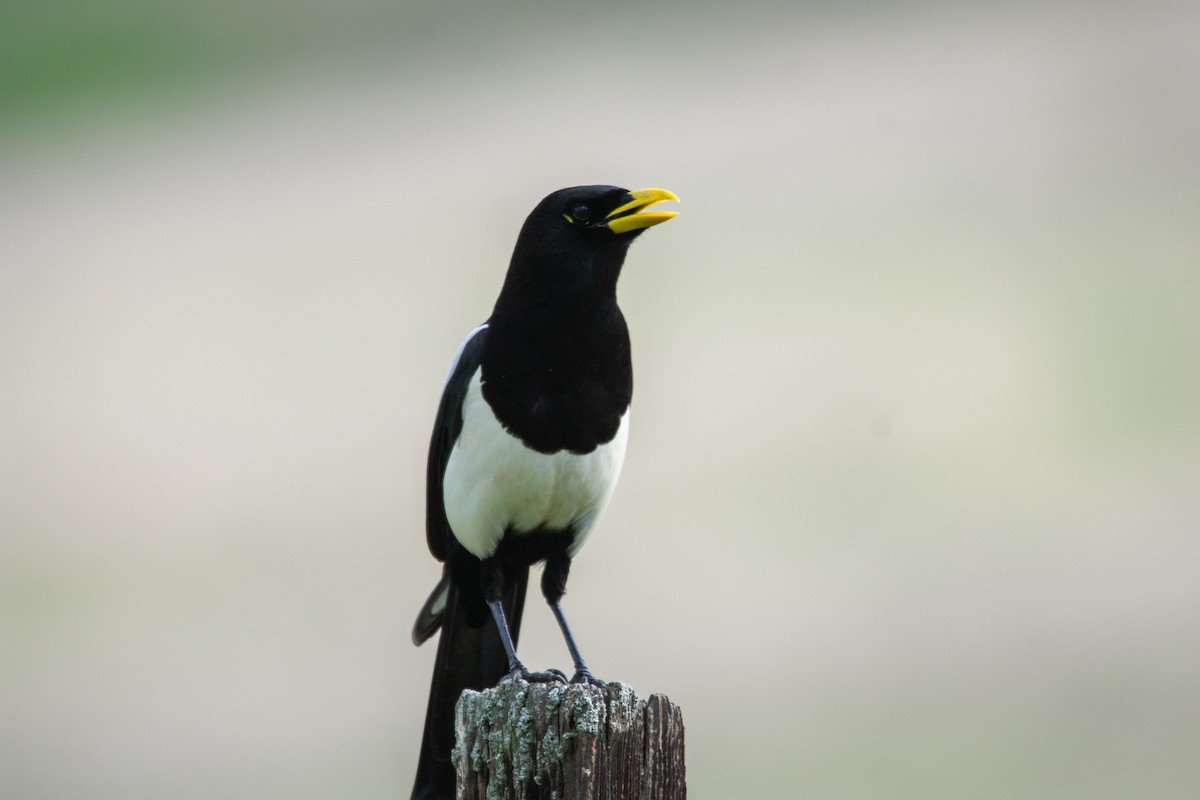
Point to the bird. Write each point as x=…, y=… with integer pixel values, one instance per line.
x=527, y=445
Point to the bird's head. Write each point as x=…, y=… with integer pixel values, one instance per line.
x=601, y=213
x=577, y=237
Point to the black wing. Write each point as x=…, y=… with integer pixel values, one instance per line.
x=446, y=429
x=470, y=653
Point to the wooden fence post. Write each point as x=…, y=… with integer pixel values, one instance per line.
x=522, y=741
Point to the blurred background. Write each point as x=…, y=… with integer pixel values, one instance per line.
x=912, y=500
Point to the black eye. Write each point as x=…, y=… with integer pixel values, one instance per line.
x=581, y=213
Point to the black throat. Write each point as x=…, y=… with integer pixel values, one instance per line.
x=556, y=364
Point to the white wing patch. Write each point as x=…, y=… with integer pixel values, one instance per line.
x=493, y=481
x=458, y=354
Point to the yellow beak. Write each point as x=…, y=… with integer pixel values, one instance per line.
x=625, y=218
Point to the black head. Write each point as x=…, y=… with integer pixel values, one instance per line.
x=575, y=241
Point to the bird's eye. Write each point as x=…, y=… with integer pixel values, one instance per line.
x=581, y=213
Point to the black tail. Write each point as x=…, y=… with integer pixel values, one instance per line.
x=467, y=658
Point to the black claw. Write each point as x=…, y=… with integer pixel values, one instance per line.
x=523, y=674
x=586, y=677
x=550, y=676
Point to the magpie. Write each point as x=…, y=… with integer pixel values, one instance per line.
x=526, y=448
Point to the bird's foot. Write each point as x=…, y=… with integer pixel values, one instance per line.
x=583, y=675
x=523, y=674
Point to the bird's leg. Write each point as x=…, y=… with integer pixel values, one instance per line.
x=582, y=673
x=492, y=592
x=554, y=585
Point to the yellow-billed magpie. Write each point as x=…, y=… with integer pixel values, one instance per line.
x=528, y=442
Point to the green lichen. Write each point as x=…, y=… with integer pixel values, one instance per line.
x=586, y=712
x=554, y=697
x=477, y=757
x=523, y=747
x=622, y=707
x=550, y=751
x=520, y=733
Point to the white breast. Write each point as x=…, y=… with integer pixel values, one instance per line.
x=494, y=482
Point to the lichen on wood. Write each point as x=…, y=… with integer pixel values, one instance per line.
x=522, y=741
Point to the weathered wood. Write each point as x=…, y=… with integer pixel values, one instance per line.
x=524, y=741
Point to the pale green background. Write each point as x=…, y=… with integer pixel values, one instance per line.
x=912, y=501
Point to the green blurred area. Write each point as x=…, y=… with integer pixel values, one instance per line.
x=62, y=55
x=68, y=57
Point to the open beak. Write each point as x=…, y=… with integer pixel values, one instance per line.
x=626, y=218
